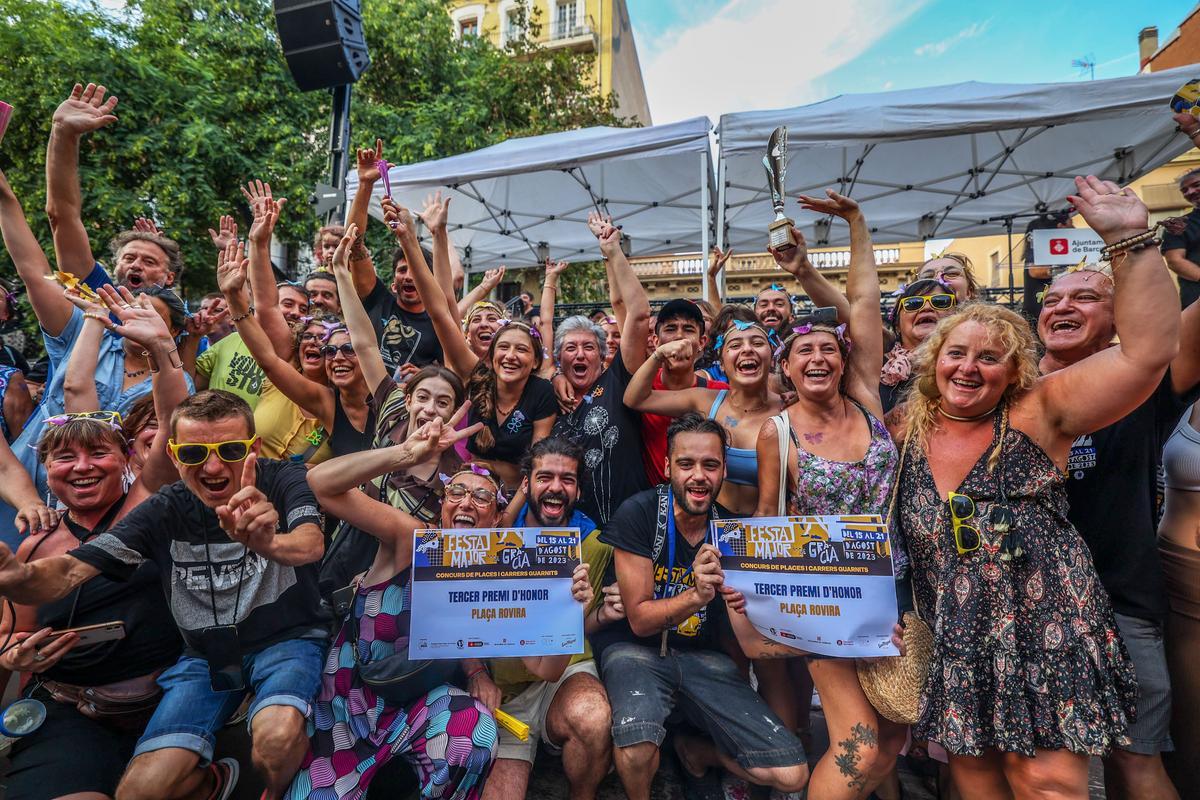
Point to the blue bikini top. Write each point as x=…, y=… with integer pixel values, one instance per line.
x=741, y=464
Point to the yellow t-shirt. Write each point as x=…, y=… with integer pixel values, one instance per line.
x=509, y=673
x=284, y=429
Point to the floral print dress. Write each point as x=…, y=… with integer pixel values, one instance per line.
x=1027, y=655
x=447, y=737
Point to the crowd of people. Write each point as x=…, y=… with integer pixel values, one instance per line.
x=239, y=489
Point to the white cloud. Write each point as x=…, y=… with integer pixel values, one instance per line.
x=758, y=54
x=937, y=48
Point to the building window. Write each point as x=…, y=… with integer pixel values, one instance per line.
x=467, y=20
x=468, y=26
x=511, y=28
x=566, y=19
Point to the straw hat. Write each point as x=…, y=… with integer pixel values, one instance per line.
x=894, y=685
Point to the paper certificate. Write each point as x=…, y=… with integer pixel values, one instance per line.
x=823, y=585
x=480, y=593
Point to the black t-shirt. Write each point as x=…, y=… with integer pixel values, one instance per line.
x=404, y=337
x=640, y=527
x=1188, y=241
x=182, y=536
x=515, y=436
x=611, y=436
x=1112, y=485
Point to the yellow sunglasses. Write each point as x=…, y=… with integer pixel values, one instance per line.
x=966, y=536
x=192, y=454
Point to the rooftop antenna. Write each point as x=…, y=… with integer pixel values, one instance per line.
x=1086, y=64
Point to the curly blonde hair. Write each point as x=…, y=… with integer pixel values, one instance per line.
x=1007, y=329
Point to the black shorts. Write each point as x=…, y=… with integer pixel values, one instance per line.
x=69, y=754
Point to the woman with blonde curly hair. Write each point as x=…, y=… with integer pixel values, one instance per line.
x=1029, y=675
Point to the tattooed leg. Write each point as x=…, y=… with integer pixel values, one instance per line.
x=861, y=735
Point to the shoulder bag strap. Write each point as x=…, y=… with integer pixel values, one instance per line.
x=781, y=429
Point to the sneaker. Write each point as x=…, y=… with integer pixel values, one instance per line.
x=226, y=771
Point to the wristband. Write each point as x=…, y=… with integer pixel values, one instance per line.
x=482, y=668
x=241, y=317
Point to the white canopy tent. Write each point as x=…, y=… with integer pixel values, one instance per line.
x=945, y=161
x=523, y=200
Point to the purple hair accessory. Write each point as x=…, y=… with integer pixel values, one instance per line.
x=943, y=282
x=901, y=289
x=443, y=477
x=330, y=329
x=307, y=319
x=480, y=471
x=383, y=166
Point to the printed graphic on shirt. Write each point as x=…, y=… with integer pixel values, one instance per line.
x=244, y=374
x=196, y=583
x=398, y=343
x=680, y=581
x=1082, y=458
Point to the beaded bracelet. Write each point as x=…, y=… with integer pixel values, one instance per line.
x=476, y=671
x=241, y=317
x=1137, y=242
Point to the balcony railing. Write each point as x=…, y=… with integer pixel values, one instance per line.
x=693, y=264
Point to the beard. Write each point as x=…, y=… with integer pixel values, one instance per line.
x=687, y=503
x=536, y=508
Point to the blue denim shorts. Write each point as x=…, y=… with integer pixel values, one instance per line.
x=190, y=714
x=644, y=688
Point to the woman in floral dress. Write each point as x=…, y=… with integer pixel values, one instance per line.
x=1029, y=676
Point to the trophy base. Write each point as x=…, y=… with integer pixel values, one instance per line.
x=779, y=234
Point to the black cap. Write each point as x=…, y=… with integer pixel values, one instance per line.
x=680, y=308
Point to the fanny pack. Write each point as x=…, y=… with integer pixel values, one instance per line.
x=126, y=704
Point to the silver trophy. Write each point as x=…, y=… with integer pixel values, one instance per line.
x=779, y=232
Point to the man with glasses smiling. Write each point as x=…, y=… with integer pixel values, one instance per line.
x=236, y=541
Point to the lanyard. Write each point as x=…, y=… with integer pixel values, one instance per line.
x=669, y=584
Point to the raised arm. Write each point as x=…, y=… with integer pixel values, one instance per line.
x=636, y=325
x=17, y=489
x=1117, y=380
x=640, y=393
x=491, y=279
x=84, y=111
x=716, y=263
x=361, y=266
x=820, y=291
x=335, y=482
x=314, y=398
x=459, y=357
x=362, y=333
x=598, y=224
x=79, y=381
x=435, y=215
x=862, y=291
x=265, y=210
x=546, y=311
x=53, y=311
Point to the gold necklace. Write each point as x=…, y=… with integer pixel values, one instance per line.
x=975, y=418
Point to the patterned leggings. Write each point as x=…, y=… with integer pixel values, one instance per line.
x=447, y=737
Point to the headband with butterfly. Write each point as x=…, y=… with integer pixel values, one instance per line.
x=482, y=472
x=533, y=331
x=740, y=325
x=839, y=331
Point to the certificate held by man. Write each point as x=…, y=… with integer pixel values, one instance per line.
x=823, y=585
x=482, y=593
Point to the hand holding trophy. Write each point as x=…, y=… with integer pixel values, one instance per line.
x=779, y=232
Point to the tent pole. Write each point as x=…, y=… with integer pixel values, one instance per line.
x=705, y=219
x=1008, y=225
x=720, y=221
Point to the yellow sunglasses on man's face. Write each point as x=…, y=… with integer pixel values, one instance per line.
x=192, y=454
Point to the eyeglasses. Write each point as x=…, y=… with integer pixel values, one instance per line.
x=480, y=497
x=331, y=350
x=111, y=417
x=938, y=302
x=192, y=454
x=962, y=508
x=308, y=336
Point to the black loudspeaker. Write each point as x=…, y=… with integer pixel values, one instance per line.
x=322, y=41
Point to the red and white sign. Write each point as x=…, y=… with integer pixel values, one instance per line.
x=1056, y=246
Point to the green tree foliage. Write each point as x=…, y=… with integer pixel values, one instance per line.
x=207, y=103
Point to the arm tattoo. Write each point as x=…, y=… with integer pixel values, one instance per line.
x=861, y=735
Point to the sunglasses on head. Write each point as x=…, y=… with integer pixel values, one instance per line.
x=331, y=350
x=480, y=497
x=966, y=536
x=938, y=302
x=113, y=418
x=192, y=454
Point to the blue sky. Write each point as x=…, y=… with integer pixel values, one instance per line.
x=716, y=56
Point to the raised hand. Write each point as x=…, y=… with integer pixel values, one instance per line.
x=203, y=322
x=231, y=268
x=436, y=212
x=397, y=218
x=436, y=437
x=226, y=233
x=676, y=353
x=1189, y=124
x=140, y=322
x=264, y=208
x=85, y=110
x=791, y=260
x=717, y=262
x=341, y=256
x=1109, y=210
x=492, y=278
x=597, y=223
x=146, y=225
x=555, y=268
x=93, y=308
x=250, y=517
x=836, y=204
x=368, y=162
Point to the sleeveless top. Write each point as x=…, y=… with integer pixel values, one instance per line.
x=6, y=374
x=345, y=438
x=824, y=486
x=151, y=636
x=1181, y=458
x=1026, y=651
x=741, y=464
